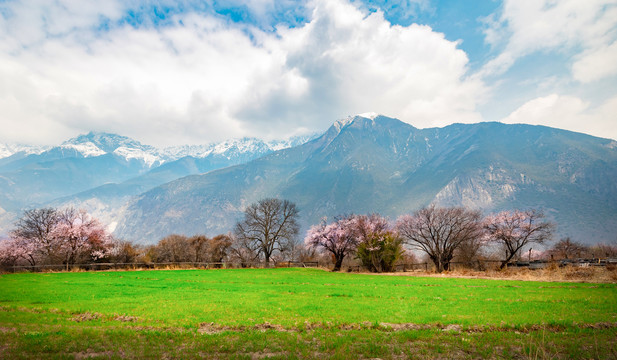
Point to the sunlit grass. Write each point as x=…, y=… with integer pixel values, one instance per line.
x=44, y=313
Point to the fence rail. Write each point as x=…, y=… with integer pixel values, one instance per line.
x=402, y=267
x=163, y=265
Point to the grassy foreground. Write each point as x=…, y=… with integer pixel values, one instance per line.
x=300, y=313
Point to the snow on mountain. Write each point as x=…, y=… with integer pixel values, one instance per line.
x=86, y=149
x=342, y=123
x=233, y=148
x=229, y=148
x=369, y=115
x=7, y=150
x=177, y=152
x=109, y=142
x=276, y=145
x=148, y=158
x=100, y=143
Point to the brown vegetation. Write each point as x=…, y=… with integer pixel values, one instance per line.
x=591, y=274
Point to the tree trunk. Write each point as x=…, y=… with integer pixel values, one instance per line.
x=509, y=257
x=506, y=261
x=338, y=263
x=438, y=265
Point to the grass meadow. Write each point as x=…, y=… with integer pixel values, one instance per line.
x=300, y=313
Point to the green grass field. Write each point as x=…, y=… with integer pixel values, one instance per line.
x=300, y=313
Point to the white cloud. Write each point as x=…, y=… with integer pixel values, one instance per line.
x=31, y=23
x=596, y=64
x=528, y=26
x=205, y=79
x=354, y=63
x=570, y=113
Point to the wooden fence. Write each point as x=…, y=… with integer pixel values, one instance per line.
x=402, y=267
x=163, y=265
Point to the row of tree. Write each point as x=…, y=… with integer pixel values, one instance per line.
x=51, y=236
x=269, y=229
x=438, y=232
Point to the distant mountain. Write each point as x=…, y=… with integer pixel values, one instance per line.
x=7, y=150
x=13, y=152
x=101, y=171
x=105, y=201
x=374, y=163
x=76, y=165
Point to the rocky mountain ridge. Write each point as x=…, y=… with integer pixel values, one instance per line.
x=379, y=164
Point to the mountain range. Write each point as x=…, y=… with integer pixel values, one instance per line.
x=101, y=171
x=362, y=164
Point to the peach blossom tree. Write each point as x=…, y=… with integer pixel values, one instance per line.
x=516, y=229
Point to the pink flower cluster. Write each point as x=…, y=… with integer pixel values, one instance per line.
x=75, y=236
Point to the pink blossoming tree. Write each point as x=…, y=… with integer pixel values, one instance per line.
x=368, y=236
x=80, y=237
x=337, y=238
x=516, y=229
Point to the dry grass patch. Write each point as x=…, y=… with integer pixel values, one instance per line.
x=589, y=274
x=87, y=316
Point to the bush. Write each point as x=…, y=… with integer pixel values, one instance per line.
x=379, y=253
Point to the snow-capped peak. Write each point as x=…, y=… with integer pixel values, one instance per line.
x=7, y=150
x=369, y=115
x=97, y=143
x=342, y=123
x=108, y=142
x=101, y=143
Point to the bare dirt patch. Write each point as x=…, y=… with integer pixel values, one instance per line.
x=87, y=316
x=126, y=318
x=88, y=354
x=212, y=328
x=5, y=330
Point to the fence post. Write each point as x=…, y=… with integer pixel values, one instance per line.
x=426, y=266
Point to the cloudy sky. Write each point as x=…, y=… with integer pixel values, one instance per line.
x=191, y=72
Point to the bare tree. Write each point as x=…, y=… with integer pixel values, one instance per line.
x=173, y=248
x=268, y=225
x=566, y=249
x=469, y=251
x=218, y=247
x=200, y=244
x=124, y=251
x=440, y=231
x=35, y=227
x=604, y=250
x=516, y=229
x=244, y=251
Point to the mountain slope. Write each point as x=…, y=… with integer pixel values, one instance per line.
x=383, y=165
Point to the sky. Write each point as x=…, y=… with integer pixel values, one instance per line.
x=193, y=72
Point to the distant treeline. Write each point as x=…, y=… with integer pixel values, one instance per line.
x=269, y=232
